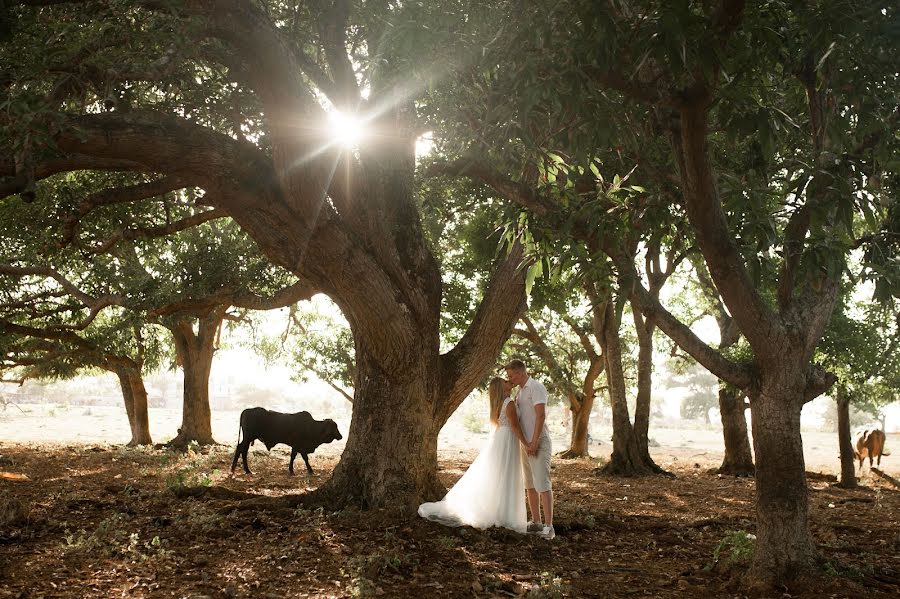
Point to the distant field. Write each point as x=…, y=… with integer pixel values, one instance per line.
x=47, y=423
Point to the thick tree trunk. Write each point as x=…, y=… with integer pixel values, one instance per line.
x=580, y=409
x=738, y=460
x=784, y=547
x=134, y=395
x=626, y=459
x=391, y=453
x=195, y=352
x=848, y=461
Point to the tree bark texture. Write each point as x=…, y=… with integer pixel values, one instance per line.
x=195, y=352
x=845, y=443
x=738, y=460
x=784, y=547
x=134, y=395
x=390, y=456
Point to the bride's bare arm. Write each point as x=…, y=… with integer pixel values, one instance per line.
x=513, y=416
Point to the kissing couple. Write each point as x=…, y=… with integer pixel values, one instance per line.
x=516, y=456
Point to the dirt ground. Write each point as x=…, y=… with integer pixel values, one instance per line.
x=104, y=521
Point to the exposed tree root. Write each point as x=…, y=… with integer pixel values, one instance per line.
x=887, y=477
x=571, y=454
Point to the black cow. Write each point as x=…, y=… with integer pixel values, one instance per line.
x=301, y=431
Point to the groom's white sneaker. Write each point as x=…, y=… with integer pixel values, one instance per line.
x=547, y=532
x=535, y=527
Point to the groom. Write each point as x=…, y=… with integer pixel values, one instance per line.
x=532, y=405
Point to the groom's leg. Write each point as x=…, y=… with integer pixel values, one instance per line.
x=533, y=498
x=540, y=470
x=534, y=504
x=547, y=502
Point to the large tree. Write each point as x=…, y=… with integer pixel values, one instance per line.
x=229, y=96
x=776, y=120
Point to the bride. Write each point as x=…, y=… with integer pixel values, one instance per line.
x=490, y=492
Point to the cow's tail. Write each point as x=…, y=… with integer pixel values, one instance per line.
x=240, y=427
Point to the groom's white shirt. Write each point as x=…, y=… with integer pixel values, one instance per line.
x=532, y=393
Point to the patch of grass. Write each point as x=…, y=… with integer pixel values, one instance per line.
x=548, y=586
x=848, y=570
x=739, y=545
x=447, y=542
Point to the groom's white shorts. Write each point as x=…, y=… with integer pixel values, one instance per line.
x=536, y=468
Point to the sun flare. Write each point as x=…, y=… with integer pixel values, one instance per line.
x=347, y=130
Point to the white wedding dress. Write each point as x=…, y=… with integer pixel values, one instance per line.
x=492, y=491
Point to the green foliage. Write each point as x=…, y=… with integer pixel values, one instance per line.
x=860, y=347
x=739, y=546
x=191, y=475
x=322, y=345
x=475, y=416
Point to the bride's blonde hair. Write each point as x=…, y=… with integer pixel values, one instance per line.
x=495, y=393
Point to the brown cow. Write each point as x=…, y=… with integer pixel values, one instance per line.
x=869, y=444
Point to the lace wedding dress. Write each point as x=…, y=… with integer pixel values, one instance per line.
x=491, y=492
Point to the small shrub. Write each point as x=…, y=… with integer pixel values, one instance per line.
x=740, y=546
x=189, y=476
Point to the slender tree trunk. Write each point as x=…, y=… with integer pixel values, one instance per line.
x=626, y=459
x=390, y=456
x=580, y=409
x=738, y=460
x=644, y=328
x=135, y=396
x=784, y=547
x=195, y=351
x=848, y=461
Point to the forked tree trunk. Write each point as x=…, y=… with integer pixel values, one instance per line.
x=391, y=453
x=134, y=395
x=738, y=460
x=580, y=408
x=784, y=546
x=848, y=461
x=195, y=352
x=626, y=459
